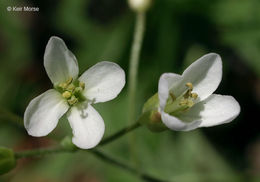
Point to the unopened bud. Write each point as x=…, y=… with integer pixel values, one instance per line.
x=7, y=160
x=139, y=5
x=67, y=144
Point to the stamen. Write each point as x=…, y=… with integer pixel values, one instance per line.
x=172, y=96
x=71, y=87
x=183, y=102
x=63, y=85
x=190, y=103
x=194, y=95
x=72, y=100
x=69, y=81
x=66, y=94
x=177, y=105
x=77, y=89
x=82, y=85
x=189, y=85
x=71, y=90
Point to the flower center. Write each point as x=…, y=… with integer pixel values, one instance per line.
x=176, y=106
x=72, y=90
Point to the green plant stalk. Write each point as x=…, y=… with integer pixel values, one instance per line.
x=132, y=77
x=41, y=152
x=128, y=168
x=98, y=154
x=134, y=62
x=120, y=133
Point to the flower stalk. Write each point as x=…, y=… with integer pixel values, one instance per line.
x=41, y=152
x=134, y=62
x=97, y=153
x=120, y=133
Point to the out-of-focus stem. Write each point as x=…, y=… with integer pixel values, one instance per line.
x=134, y=62
x=40, y=152
x=97, y=153
x=120, y=133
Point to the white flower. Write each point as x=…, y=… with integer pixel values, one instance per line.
x=101, y=83
x=187, y=102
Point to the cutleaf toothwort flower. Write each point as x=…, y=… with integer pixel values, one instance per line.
x=74, y=95
x=186, y=102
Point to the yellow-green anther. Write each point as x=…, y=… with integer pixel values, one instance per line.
x=183, y=102
x=78, y=89
x=71, y=87
x=63, y=85
x=190, y=103
x=66, y=94
x=172, y=96
x=189, y=85
x=72, y=100
x=69, y=81
x=82, y=85
x=176, y=105
x=72, y=91
x=194, y=95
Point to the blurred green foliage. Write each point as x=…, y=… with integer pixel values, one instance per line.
x=177, y=33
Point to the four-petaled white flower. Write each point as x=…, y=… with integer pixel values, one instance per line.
x=73, y=95
x=187, y=102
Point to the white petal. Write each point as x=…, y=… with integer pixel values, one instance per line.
x=215, y=110
x=87, y=125
x=205, y=74
x=167, y=82
x=174, y=123
x=60, y=64
x=103, y=81
x=43, y=113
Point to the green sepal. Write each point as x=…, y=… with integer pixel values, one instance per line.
x=150, y=115
x=7, y=160
x=152, y=119
x=151, y=104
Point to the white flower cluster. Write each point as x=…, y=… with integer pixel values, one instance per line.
x=184, y=102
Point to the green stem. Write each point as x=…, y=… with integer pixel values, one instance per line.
x=128, y=168
x=120, y=133
x=40, y=152
x=98, y=154
x=134, y=61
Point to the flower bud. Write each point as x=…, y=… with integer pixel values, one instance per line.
x=7, y=160
x=67, y=144
x=139, y=5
